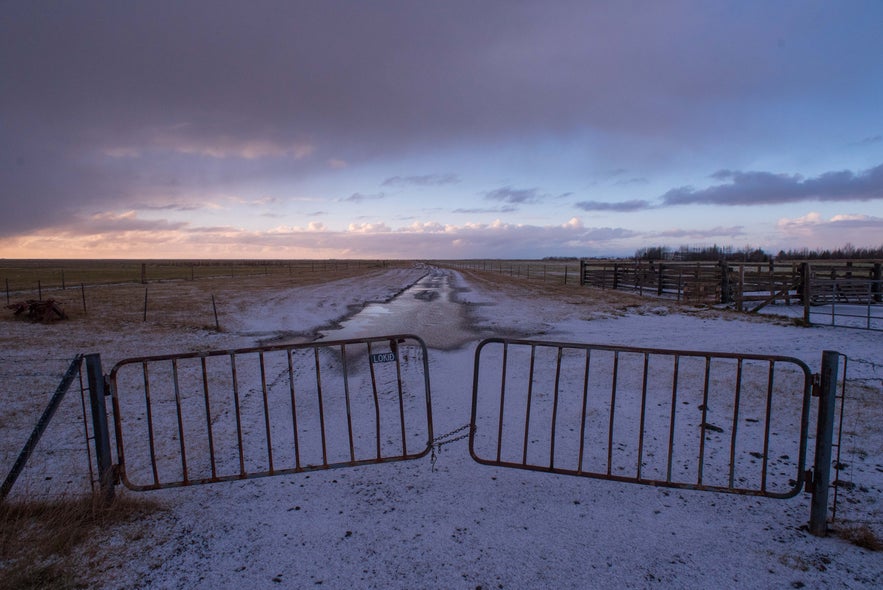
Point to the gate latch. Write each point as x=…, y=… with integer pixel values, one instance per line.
x=816, y=384
x=809, y=483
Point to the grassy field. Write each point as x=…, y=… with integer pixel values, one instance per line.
x=28, y=277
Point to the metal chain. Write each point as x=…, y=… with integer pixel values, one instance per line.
x=440, y=441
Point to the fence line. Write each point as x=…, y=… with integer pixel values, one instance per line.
x=35, y=277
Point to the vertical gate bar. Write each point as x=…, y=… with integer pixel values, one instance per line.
x=643, y=413
x=527, y=409
x=86, y=428
x=674, y=409
x=582, y=425
x=208, y=418
x=150, y=437
x=236, y=406
x=289, y=354
x=502, y=400
x=401, y=389
x=376, y=399
x=737, y=400
x=705, y=389
x=767, y=426
x=266, y=410
x=612, y=412
x=555, y=409
x=321, y=408
x=346, y=397
x=424, y=358
x=180, y=419
x=818, y=524
x=95, y=378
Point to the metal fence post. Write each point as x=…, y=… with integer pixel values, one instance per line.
x=818, y=516
x=100, y=430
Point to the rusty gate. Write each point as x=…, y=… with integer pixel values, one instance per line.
x=197, y=418
x=711, y=421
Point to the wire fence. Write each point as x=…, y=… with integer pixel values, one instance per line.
x=60, y=466
x=858, y=483
x=35, y=279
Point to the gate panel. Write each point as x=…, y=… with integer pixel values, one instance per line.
x=215, y=416
x=715, y=421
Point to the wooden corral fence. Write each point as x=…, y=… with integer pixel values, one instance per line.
x=748, y=286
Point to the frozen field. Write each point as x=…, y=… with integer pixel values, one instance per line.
x=459, y=524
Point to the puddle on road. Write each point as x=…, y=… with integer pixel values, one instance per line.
x=427, y=309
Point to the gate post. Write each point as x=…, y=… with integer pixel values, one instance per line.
x=805, y=290
x=725, y=281
x=818, y=515
x=100, y=430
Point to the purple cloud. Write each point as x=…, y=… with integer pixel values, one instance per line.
x=620, y=207
x=766, y=188
x=424, y=180
x=511, y=195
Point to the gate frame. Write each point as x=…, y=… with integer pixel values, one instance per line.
x=817, y=480
x=822, y=385
x=110, y=389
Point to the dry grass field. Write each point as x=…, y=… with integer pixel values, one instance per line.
x=42, y=542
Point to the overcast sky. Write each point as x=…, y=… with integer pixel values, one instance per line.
x=450, y=129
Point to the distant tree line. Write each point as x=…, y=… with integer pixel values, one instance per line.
x=749, y=254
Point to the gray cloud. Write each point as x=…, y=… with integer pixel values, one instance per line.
x=504, y=209
x=512, y=195
x=699, y=234
x=766, y=188
x=424, y=180
x=620, y=207
x=359, y=197
x=108, y=104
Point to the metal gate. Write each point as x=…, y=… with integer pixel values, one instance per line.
x=686, y=419
x=197, y=418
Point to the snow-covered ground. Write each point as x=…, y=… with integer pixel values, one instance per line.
x=460, y=524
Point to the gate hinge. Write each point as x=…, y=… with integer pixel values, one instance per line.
x=809, y=482
x=816, y=384
x=106, y=386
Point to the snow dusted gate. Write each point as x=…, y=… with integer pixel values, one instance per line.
x=735, y=423
x=197, y=418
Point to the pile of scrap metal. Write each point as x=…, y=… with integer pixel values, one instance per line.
x=39, y=311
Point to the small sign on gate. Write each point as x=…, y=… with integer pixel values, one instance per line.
x=383, y=357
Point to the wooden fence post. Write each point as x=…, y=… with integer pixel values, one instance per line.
x=877, y=284
x=725, y=281
x=805, y=289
